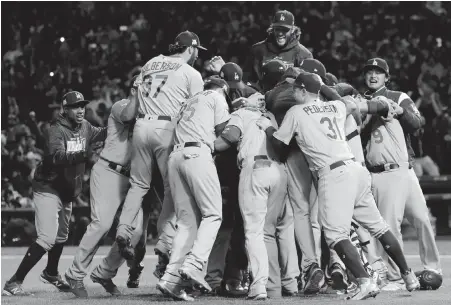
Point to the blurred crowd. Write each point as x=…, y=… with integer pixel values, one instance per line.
x=95, y=48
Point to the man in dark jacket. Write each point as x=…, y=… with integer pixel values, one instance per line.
x=57, y=182
x=282, y=43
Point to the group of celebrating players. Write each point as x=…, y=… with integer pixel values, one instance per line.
x=247, y=172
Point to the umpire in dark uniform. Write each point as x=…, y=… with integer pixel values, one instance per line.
x=57, y=182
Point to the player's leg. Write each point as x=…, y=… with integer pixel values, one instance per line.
x=417, y=213
x=200, y=173
x=46, y=222
x=367, y=215
x=142, y=163
x=188, y=219
x=289, y=268
x=259, y=231
x=107, y=191
x=391, y=204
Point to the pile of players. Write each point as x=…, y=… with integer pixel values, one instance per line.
x=248, y=172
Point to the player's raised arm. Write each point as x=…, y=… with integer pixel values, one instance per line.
x=408, y=115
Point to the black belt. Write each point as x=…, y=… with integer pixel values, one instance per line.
x=352, y=135
x=192, y=144
x=339, y=163
x=261, y=157
x=114, y=166
x=160, y=117
x=383, y=167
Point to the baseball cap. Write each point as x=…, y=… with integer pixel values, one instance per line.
x=231, y=72
x=188, y=39
x=313, y=84
x=74, y=98
x=272, y=71
x=283, y=18
x=376, y=63
x=331, y=80
x=218, y=82
x=291, y=72
x=313, y=66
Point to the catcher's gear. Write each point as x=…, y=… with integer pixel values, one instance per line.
x=429, y=279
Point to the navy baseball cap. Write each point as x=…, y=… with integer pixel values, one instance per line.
x=188, y=39
x=283, y=19
x=272, y=70
x=313, y=84
x=218, y=82
x=313, y=66
x=74, y=99
x=231, y=72
x=331, y=80
x=376, y=63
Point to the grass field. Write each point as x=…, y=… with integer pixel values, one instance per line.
x=44, y=294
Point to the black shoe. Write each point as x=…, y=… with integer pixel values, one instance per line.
x=133, y=276
x=314, y=279
x=125, y=249
x=14, y=288
x=338, y=277
x=77, y=287
x=163, y=261
x=55, y=280
x=109, y=286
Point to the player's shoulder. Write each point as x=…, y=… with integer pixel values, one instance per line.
x=302, y=51
x=259, y=47
x=118, y=107
x=397, y=96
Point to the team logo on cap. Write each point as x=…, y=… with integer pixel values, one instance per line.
x=194, y=43
x=374, y=62
x=282, y=18
x=237, y=76
x=78, y=94
x=221, y=74
x=315, y=70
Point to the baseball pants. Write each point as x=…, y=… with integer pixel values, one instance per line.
x=299, y=192
x=406, y=199
x=337, y=208
x=152, y=143
x=108, y=190
x=52, y=219
x=198, y=206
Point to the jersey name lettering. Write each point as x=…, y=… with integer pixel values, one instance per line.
x=312, y=109
x=161, y=65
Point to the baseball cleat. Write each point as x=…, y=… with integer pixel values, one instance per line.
x=411, y=281
x=125, y=248
x=381, y=272
x=234, y=289
x=109, y=286
x=133, y=276
x=367, y=289
x=55, y=280
x=314, y=279
x=174, y=291
x=258, y=297
x=195, y=276
x=14, y=288
x=338, y=277
x=77, y=287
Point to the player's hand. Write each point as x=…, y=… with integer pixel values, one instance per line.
x=256, y=100
x=215, y=64
x=263, y=123
x=396, y=108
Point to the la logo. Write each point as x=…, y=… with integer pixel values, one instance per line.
x=374, y=62
x=194, y=42
x=282, y=17
x=78, y=95
x=236, y=76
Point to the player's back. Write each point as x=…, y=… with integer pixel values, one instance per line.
x=320, y=132
x=199, y=116
x=117, y=147
x=165, y=83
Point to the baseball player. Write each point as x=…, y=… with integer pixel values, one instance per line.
x=56, y=183
x=282, y=43
x=389, y=156
x=279, y=100
x=195, y=188
x=109, y=184
x=164, y=84
x=318, y=128
x=263, y=203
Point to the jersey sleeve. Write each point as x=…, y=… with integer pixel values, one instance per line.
x=195, y=82
x=288, y=128
x=117, y=109
x=236, y=119
x=221, y=110
x=411, y=118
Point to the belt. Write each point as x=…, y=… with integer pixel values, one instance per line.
x=352, y=135
x=255, y=158
x=190, y=144
x=117, y=167
x=261, y=157
x=154, y=117
x=333, y=166
x=383, y=167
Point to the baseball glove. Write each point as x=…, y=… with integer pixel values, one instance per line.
x=429, y=279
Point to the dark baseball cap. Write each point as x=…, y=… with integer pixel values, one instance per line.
x=331, y=80
x=231, y=72
x=376, y=63
x=291, y=72
x=313, y=66
x=74, y=99
x=284, y=19
x=216, y=80
x=312, y=83
x=188, y=39
x=273, y=69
